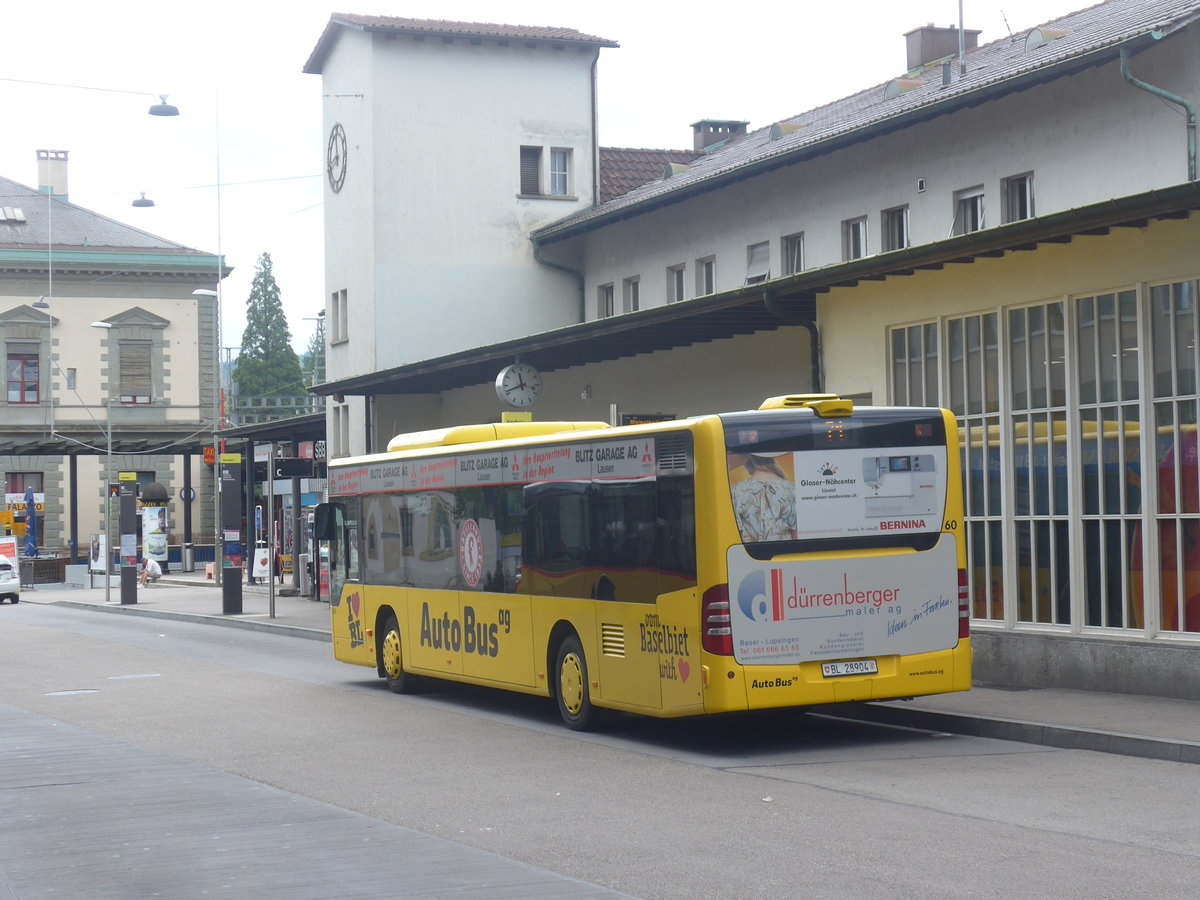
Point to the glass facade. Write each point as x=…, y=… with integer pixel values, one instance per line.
x=1078, y=422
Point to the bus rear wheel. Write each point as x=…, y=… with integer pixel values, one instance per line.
x=572, y=688
x=391, y=659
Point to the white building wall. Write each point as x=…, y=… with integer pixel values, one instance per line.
x=350, y=213
x=429, y=236
x=1086, y=138
x=731, y=374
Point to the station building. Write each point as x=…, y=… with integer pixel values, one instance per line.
x=1005, y=231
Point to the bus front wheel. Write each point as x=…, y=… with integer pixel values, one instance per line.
x=573, y=694
x=392, y=661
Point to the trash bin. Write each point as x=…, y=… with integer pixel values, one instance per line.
x=189, y=558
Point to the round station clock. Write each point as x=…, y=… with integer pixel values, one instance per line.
x=519, y=384
x=335, y=157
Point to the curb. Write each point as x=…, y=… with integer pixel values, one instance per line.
x=1061, y=736
x=312, y=634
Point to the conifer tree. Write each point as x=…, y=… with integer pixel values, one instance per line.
x=267, y=366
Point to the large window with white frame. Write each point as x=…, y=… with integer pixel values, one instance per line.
x=1037, y=442
x=1175, y=489
x=1078, y=454
x=973, y=394
x=915, y=365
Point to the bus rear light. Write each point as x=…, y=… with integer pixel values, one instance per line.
x=964, y=606
x=717, y=634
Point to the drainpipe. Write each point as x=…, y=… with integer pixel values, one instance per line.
x=595, y=134
x=814, y=339
x=1188, y=108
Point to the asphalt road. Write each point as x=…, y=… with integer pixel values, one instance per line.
x=777, y=805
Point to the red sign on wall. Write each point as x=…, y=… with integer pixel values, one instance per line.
x=210, y=456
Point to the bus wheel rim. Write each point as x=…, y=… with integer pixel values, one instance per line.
x=571, y=683
x=391, y=654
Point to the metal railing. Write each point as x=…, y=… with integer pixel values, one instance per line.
x=257, y=410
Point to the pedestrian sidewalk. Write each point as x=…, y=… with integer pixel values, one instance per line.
x=193, y=597
x=1128, y=724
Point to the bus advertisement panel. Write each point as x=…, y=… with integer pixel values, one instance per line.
x=795, y=611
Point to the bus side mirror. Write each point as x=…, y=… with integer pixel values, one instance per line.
x=325, y=522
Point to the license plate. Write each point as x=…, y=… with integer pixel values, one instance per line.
x=850, y=667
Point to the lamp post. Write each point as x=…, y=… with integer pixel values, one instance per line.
x=107, y=491
x=216, y=295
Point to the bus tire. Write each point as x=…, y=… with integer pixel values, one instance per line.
x=391, y=659
x=571, y=687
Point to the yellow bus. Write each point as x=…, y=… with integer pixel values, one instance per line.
x=802, y=553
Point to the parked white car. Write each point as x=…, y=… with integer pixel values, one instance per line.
x=10, y=580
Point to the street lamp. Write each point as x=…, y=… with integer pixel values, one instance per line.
x=216, y=295
x=108, y=548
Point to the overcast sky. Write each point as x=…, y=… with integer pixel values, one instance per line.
x=234, y=70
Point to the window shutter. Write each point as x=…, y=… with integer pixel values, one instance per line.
x=531, y=165
x=759, y=266
x=135, y=373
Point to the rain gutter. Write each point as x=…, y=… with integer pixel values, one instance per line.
x=1188, y=108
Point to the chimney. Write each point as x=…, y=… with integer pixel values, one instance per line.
x=708, y=132
x=930, y=43
x=52, y=173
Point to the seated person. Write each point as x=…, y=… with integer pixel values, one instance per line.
x=151, y=571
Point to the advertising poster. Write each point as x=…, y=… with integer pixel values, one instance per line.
x=154, y=533
x=262, y=563
x=809, y=495
x=98, y=548
x=791, y=612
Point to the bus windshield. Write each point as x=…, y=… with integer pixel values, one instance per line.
x=797, y=477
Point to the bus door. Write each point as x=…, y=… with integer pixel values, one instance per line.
x=335, y=528
x=644, y=558
x=434, y=616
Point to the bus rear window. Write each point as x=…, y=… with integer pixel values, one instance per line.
x=876, y=475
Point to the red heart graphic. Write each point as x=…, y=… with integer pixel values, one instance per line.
x=354, y=604
x=684, y=669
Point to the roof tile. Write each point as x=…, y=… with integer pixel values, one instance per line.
x=622, y=169
x=1100, y=27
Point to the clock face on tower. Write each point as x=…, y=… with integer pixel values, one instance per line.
x=519, y=384
x=335, y=157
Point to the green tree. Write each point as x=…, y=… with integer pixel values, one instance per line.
x=267, y=366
